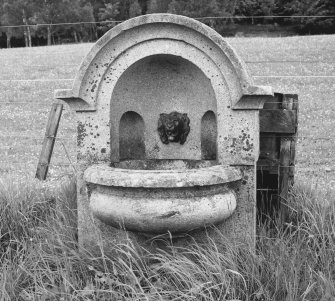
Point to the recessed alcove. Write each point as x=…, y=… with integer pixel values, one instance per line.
x=131, y=135
x=208, y=136
x=161, y=84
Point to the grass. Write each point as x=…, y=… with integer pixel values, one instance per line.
x=23, y=124
x=39, y=255
x=40, y=258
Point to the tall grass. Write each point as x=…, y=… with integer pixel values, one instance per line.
x=40, y=258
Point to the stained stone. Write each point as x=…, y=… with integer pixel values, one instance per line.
x=139, y=176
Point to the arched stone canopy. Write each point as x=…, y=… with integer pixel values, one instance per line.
x=156, y=65
x=154, y=34
x=186, y=40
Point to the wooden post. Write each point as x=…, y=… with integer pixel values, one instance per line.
x=49, y=140
x=284, y=171
x=287, y=157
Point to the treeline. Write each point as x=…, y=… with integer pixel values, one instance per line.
x=30, y=13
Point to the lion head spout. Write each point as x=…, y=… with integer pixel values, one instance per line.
x=173, y=127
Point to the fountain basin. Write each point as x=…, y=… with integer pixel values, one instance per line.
x=156, y=196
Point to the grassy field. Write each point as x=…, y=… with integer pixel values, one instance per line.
x=39, y=255
x=304, y=63
x=40, y=259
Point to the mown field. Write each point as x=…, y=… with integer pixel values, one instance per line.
x=302, y=65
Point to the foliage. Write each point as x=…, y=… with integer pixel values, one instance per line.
x=319, y=8
x=312, y=24
x=18, y=12
x=134, y=9
x=64, y=11
x=194, y=8
x=153, y=7
x=256, y=8
x=32, y=12
x=107, y=13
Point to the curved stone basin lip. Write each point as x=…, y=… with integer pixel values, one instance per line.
x=103, y=174
x=157, y=213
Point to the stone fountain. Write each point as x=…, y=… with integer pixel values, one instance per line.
x=168, y=134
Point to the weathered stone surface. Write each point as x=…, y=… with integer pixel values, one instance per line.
x=155, y=64
x=174, y=200
x=157, y=210
x=120, y=177
x=152, y=65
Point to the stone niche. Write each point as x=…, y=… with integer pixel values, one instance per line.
x=168, y=134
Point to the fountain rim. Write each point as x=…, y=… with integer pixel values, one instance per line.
x=105, y=175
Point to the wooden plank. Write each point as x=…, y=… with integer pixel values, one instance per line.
x=269, y=146
x=278, y=121
x=278, y=126
x=272, y=166
x=287, y=156
x=284, y=171
x=269, y=154
x=268, y=163
x=292, y=103
x=274, y=103
x=49, y=141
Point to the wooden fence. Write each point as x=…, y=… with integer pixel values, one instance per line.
x=275, y=167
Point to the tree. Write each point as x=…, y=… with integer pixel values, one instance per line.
x=309, y=8
x=63, y=11
x=321, y=8
x=153, y=7
x=228, y=7
x=109, y=12
x=48, y=13
x=124, y=6
x=18, y=12
x=158, y=6
x=256, y=8
x=96, y=5
x=115, y=10
x=76, y=11
x=194, y=8
x=135, y=9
